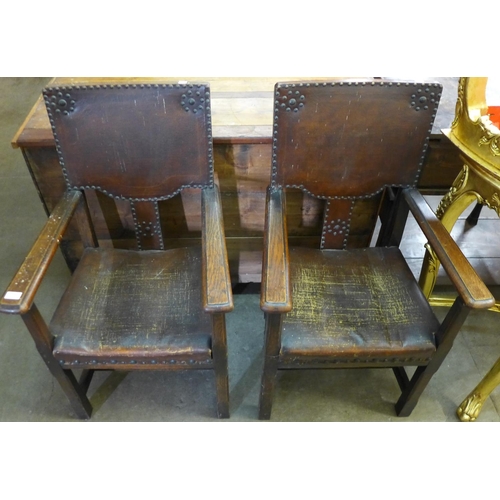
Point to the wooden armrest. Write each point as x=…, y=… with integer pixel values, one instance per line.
x=21, y=292
x=276, y=293
x=216, y=286
x=463, y=276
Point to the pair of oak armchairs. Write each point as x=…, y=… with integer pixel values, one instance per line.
x=344, y=304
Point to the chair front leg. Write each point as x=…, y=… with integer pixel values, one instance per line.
x=444, y=339
x=43, y=341
x=219, y=350
x=273, y=327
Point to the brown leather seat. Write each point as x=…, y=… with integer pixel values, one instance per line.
x=392, y=320
x=160, y=290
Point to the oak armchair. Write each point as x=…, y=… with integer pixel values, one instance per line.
x=145, y=308
x=359, y=146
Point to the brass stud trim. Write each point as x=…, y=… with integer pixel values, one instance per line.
x=48, y=92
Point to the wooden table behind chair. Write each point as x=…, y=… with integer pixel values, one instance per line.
x=242, y=114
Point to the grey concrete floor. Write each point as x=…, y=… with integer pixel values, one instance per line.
x=28, y=392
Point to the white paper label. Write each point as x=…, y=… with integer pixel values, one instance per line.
x=13, y=295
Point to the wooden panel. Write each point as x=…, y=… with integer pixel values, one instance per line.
x=44, y=166
x=241, y=107
x=441, y=167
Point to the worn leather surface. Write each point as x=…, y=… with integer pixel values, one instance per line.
x=125, y=305
x=132, y=141
x=356, y=303
x=351, y=139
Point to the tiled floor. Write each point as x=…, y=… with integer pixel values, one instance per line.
x=29, y=393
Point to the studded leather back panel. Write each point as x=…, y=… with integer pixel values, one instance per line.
x=351, y=139
x=139, y=142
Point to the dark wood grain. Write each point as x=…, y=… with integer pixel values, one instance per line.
x=84, y=223
x=219, y=349
x=463, y=276
x=272, y=346
x=43, y=339
x=216, y=282
x=22, y=289
x=276, y=293
x=445, y=337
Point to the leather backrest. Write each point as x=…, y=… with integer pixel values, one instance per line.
x=351, y=139
x=139, y=142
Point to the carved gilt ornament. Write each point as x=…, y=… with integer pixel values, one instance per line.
x=459, y=106
x=490, y=137
x=493, y=202
x=451, y=195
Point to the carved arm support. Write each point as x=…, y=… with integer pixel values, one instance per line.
x=216, y=280
x=21, y=292
x=463, y=276
x=276, y=293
